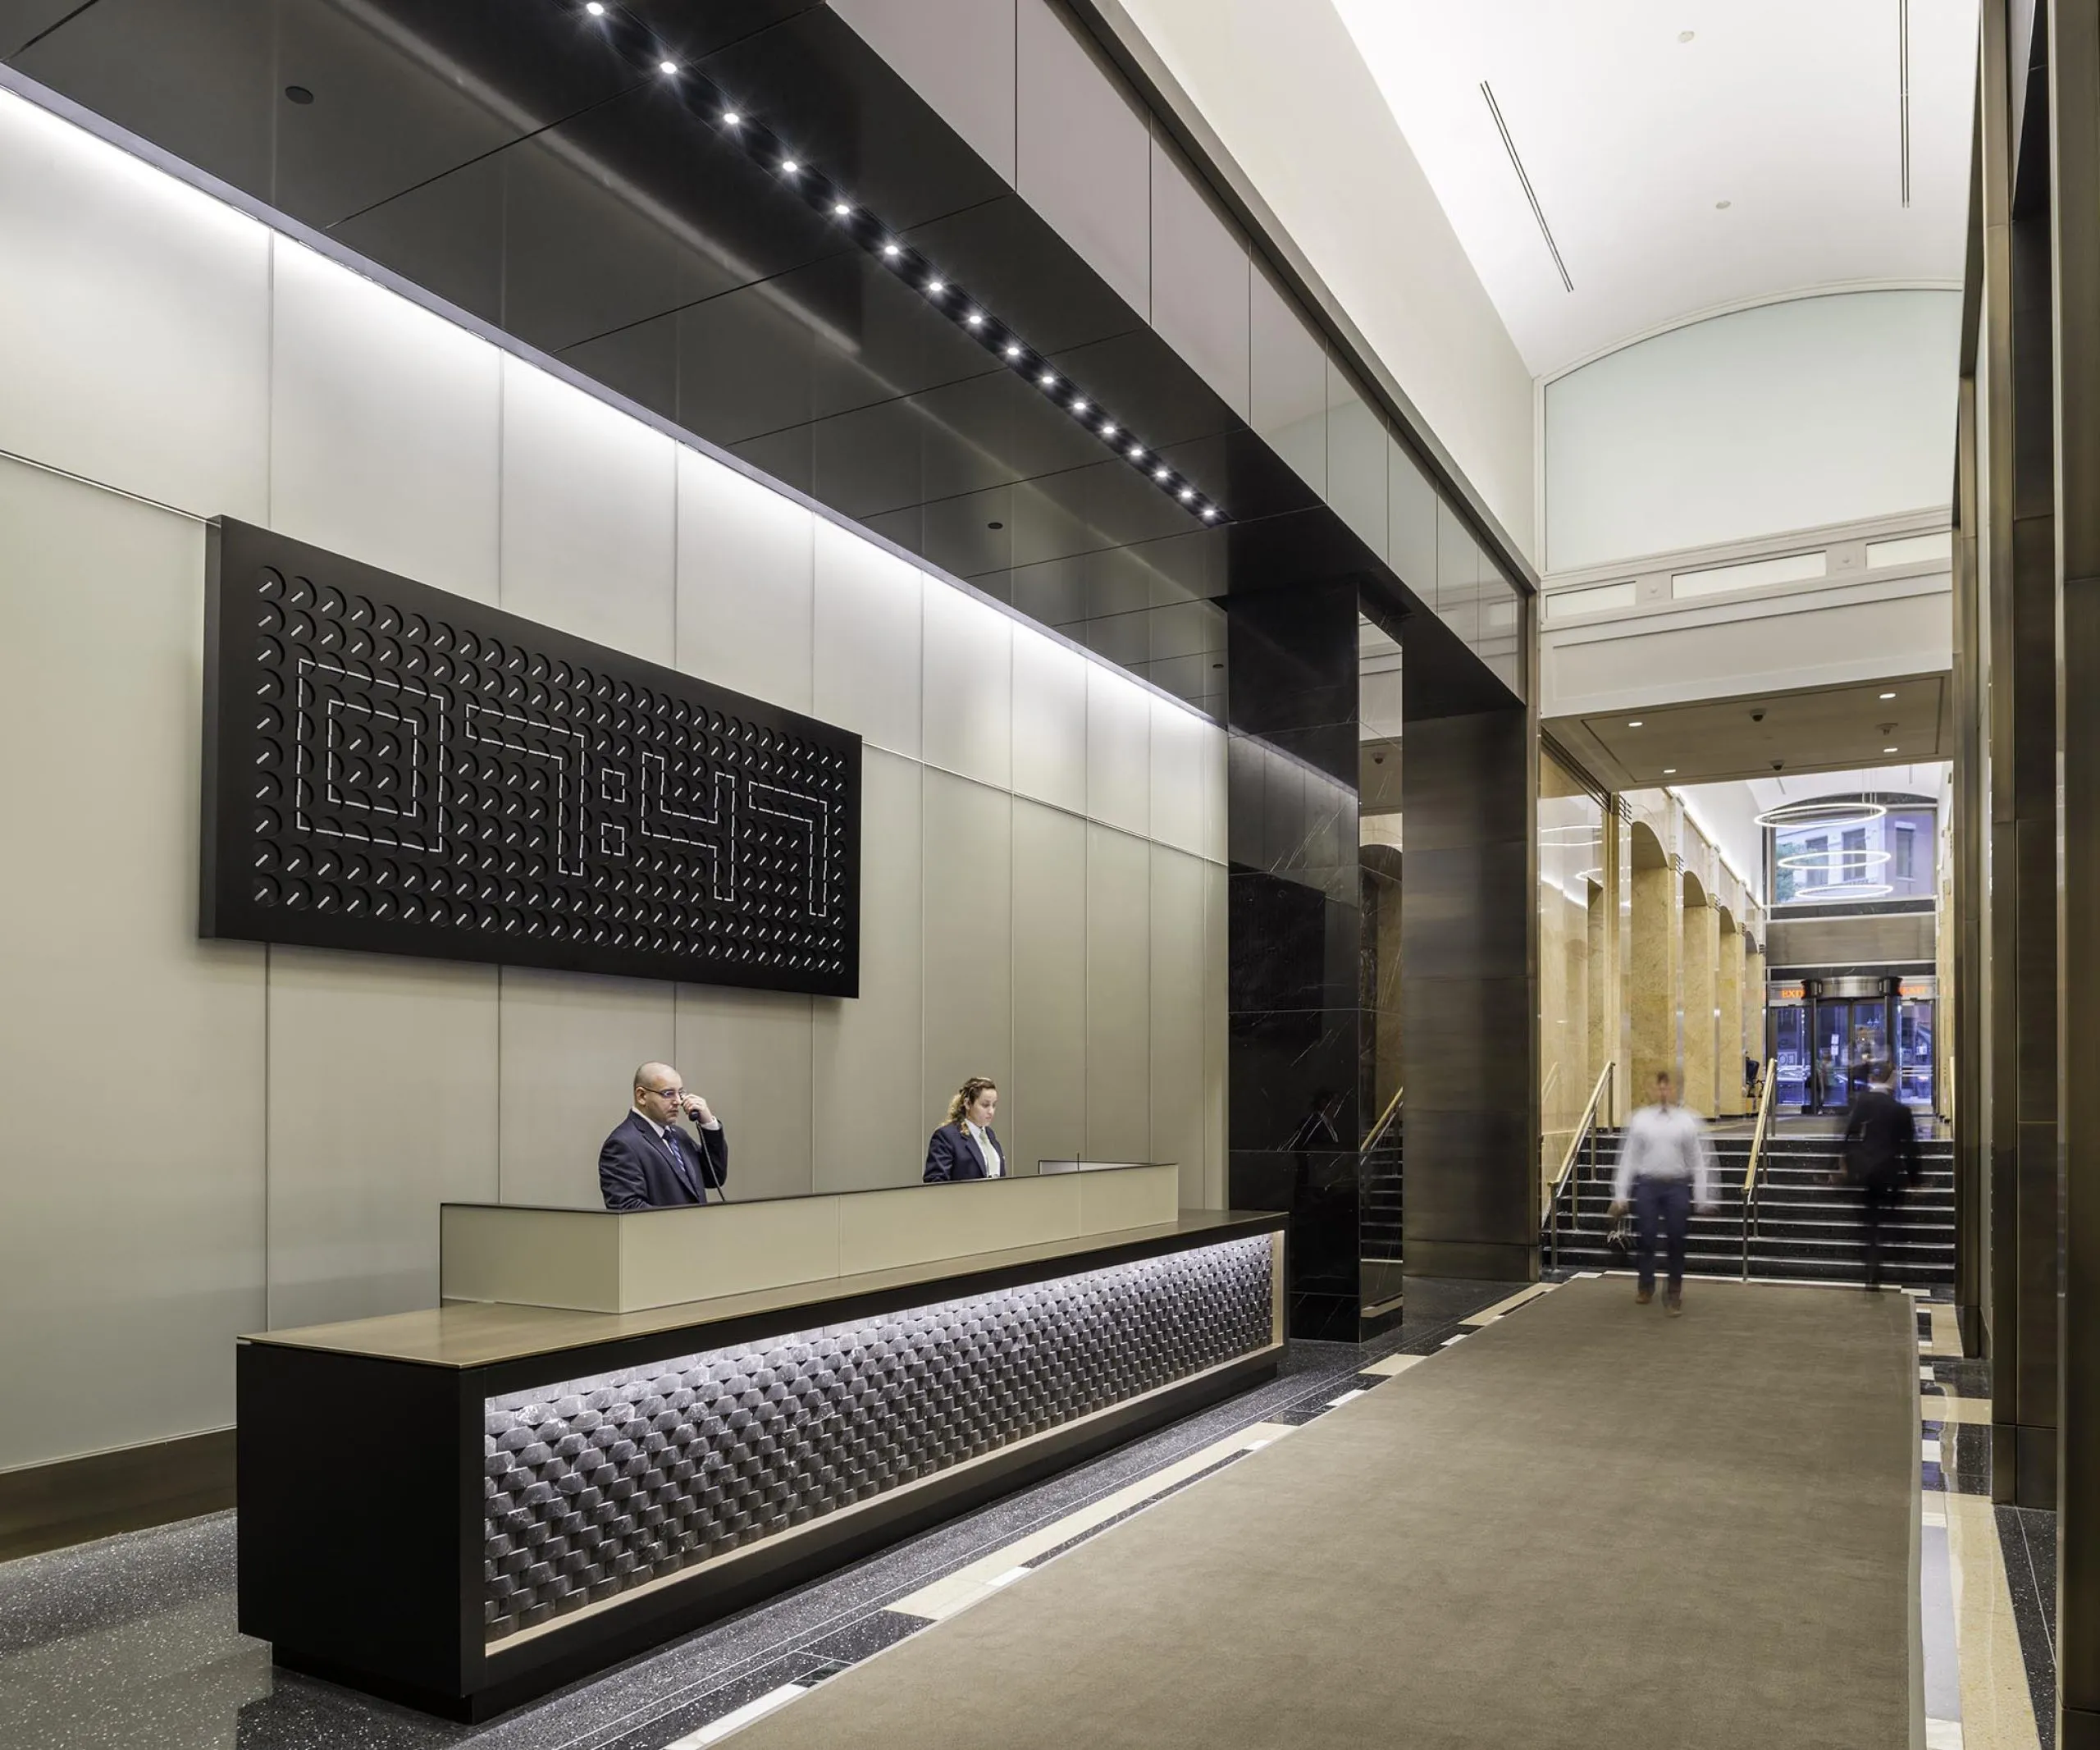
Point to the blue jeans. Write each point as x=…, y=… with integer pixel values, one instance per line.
x=1665, y=1204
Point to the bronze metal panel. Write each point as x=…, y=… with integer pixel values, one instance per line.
x=2074, y=120
x=72, y=1501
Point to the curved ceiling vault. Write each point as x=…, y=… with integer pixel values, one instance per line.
x=1621, y=166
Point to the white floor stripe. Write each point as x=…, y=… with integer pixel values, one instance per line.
x=1336, y=1403
x=716, y=1729
x=1008, y=1578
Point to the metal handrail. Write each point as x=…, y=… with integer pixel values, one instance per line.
x=1585, y=1128
x=1385, y=1121
x=1750, y=1186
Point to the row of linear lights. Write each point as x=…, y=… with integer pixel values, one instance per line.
x=949, y=297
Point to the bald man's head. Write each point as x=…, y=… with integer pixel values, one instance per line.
x=660, y=1093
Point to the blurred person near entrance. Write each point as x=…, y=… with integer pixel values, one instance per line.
x=1881, y=1157
x=1664, y=1168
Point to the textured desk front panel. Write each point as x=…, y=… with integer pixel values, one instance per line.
x=597, y=1486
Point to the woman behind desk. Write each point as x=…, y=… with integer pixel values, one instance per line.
x=965, y=1147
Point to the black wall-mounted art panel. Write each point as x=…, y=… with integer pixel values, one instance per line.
x=390, y=768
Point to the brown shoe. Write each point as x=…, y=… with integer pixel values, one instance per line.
x=1673, y=1304
x=1642, y=1296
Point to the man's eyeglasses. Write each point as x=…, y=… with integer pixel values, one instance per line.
x=667, y=1093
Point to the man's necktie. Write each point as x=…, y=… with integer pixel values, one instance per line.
x=678, y=1163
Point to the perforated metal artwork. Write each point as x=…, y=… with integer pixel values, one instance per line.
x=595, y=1486
x=392, y=768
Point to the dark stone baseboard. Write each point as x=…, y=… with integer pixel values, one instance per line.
x=76, y=1500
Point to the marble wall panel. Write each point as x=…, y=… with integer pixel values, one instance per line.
x=568, y=1047
x=747, y=560
x=747, y=1053
x=871, y=1126
x=969, y=1027
x=135, y=347
x=589, y=516
x=1042, y=1111
x=384, y=423
x=131, y=1250
x=1118, y=996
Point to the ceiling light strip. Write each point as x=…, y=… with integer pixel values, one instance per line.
x=1903, y=89
x=765, y=148
x=1516, y=164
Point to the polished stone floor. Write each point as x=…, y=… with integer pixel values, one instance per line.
x=131, y=1641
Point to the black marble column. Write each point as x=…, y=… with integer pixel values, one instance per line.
x=1469, y=989
x=1295, y=925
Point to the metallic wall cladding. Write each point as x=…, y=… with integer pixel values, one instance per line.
x=1901, y=937
x=597, y=1486
x=395, y=768
x=1469, y=999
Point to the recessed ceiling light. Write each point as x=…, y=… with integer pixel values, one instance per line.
x=1137, y=452
x=840, y=208
x=730, y=118
x=1187, y=493
x=1210, y=513
x=667, y=66
x=1048, y=378
x=975, y=319
x=1108, y=428
x=1080, y=405
x=1669, y=771
x=934, y=288
x=1888, y=750
x=1013, y=349
x=1161, y=473
x=596, y=8
x=890, y=252
x=788, y=167
x=1635, y=724
x=1888, y=695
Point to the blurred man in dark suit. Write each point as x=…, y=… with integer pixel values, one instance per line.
x=649, y=1162
x=1881, y=1157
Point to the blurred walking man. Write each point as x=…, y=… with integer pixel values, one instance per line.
x=1881, y=1155
x=1665, y=1166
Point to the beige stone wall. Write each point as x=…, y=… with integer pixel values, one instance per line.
x=1572, y=872
x=1728, y=1023
x=1701, y=930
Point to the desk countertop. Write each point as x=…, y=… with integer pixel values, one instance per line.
x=466, y=1334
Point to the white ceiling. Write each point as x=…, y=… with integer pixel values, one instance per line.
x=1933, y=779
x=1788, y=110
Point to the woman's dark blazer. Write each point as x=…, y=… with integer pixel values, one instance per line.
x=950, y=1154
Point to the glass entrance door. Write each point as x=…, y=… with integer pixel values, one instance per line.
x=1868, y=1045
x=1914, y=1052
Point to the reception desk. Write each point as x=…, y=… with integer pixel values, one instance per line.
x=619, y=1425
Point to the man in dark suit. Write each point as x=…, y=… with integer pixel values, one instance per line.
x=1881, y=1157
x=648, y=1162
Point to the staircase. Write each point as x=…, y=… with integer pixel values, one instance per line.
x=1806, y=1229
x=1378, y=1208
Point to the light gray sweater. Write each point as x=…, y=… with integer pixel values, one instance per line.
x=1665, y=1142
